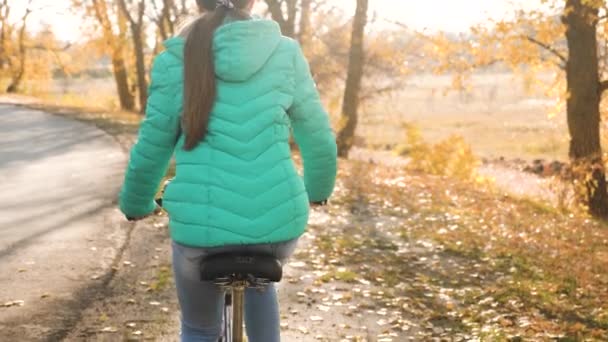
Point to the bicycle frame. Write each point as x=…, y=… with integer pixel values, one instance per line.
x=238, y=308
x=234, y=309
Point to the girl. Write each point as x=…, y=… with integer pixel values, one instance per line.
x=224, y=97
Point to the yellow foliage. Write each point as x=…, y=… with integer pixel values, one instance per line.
x=451, y=157
x=529, y=45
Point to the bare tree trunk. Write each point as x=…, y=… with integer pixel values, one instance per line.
x=287, y=21
x=4, y=32
x=583, y=104
x=136, y=25
x=116, y=43
x=350, y=105
x=17, y=76
x=142, y=81
x=160, y=20
x=121, y=77
x=292, y=9
x=304, y=34
x=167, y=21
x=164, y=19
x=184, y=8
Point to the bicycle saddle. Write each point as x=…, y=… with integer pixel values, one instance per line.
x=241, y=267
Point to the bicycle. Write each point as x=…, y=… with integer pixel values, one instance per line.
x=235, y=272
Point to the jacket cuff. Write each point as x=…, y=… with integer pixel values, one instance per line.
x=137, y=211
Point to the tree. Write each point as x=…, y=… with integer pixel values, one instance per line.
x=583, y=102
x=284, y=12
x=25, y=55
x=350, y=102
x=136, y=23
x=537, y=41
x=4, y=33
x=163, y=18
x=113, y=26
x=18, y=58
x=304, y=32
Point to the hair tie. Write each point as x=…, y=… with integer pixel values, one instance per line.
x=225, y=3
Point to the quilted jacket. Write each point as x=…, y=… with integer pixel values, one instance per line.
x=240, y=185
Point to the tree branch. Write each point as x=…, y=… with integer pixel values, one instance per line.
x=382, y=90
x=41, y=46
x=548, y=48
x=123, y=7
x=274, y=6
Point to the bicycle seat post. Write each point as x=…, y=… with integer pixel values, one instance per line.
x=237, y=272
x=238, y=303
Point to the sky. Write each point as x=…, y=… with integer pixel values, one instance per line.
x=432, y=15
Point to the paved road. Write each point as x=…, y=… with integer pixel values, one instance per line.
x=59, y=230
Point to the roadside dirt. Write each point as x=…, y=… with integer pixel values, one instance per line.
x=139, y=301
x=507, y=178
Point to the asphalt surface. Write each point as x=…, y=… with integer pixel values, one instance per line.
x=59, y=229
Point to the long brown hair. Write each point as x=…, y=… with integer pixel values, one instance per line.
x=199, y=67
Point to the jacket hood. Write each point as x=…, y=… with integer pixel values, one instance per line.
x=241, y=48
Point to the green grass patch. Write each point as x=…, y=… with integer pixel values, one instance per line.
x=346, y=276
x=162, y=279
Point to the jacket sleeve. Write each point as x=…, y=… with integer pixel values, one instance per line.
x=312, y=133
x=150, y=156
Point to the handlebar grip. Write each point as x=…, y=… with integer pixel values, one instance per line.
x=319, y=203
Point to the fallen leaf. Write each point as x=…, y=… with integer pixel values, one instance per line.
x=14, y=303
x=323, y=308
x=297, y=264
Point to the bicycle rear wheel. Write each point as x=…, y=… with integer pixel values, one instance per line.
x=227, y=318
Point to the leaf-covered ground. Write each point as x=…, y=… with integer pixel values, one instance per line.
x=421, y=257
x=398, y=256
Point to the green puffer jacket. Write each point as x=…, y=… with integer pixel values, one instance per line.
x=240, y=185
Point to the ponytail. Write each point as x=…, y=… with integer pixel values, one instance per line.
x=200, y=89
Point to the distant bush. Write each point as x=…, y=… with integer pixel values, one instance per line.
x=451, y=157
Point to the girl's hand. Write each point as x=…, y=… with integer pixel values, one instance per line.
x=318, y=204
x=156, y=211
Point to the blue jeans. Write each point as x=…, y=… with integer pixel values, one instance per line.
x=202, y=303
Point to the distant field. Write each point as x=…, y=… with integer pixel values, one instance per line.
x=86, y=92
x=498, y=118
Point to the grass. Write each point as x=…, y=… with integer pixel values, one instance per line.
x=499, y=122
x=551, y=146
x=162, y=279
x=510, y=123
x=503, y=257
x=344, y=275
